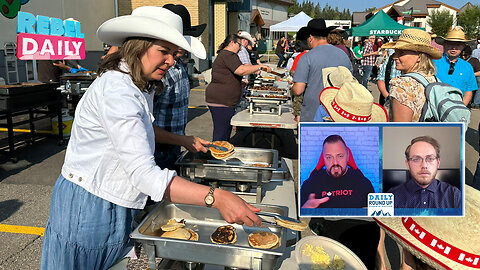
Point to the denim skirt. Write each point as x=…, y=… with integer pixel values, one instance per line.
x=84, y=231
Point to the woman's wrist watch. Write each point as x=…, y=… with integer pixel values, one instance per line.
x=209, y=199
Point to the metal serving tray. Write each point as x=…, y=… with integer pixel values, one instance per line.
x=204, y=221
x=237, y=167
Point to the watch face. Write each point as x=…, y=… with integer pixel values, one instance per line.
x=209, y=199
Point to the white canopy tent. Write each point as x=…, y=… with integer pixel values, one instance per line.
x=293, y=24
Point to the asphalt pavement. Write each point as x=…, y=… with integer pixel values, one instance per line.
x=26, y=186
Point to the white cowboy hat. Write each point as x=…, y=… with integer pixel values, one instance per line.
x=352, y=102
x=151, y=22
x=443, y=243
x=247, y=36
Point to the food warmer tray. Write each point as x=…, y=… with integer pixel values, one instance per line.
x=262, y=99
x=268, y=92
x=204, y=221
x=237, y=167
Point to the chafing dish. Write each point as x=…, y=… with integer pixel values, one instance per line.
x=204, y=222
x=241, y=166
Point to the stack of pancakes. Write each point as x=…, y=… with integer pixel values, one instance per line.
x=177, y=230
x=263, y=239
x=221, y=154
x=224, y=235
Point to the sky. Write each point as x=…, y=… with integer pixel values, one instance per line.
x=356, y=5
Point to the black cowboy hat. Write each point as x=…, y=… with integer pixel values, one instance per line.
x=315, y=27
x=188, y=29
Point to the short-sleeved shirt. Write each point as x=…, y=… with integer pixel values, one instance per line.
x=393, y=74
x=475, y=63
x=244, y=56
x=437, y=195
x=348, y=191
x=309, y=71
x=295, y=61
x=369, y=60
x=280, y=47
x=225, y=87
x=462, y=76
x=358, y=51
x=409, y=92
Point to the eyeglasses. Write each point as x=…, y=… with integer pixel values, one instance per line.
x=452, y=68
x=419, y=160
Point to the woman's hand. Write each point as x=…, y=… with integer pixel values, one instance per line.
x=266, y=68
x=234, y=209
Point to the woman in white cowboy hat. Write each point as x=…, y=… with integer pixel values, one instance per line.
x=413, y=53
x=109, y=169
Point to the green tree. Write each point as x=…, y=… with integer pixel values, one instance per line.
x=470, y=21
x=440, y=21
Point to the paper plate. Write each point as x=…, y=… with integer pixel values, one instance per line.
x=331, y=247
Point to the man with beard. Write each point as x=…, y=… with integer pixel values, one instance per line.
x=338, y=185
x=422, y=190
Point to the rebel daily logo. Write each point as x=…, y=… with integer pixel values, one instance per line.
x=380, y=205
x=45, y=38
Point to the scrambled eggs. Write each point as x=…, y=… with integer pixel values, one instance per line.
x=321, y=260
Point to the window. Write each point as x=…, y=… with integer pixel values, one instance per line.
x=417, y=24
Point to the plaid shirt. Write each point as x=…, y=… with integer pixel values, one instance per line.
x=369, y=60
x=170, y=107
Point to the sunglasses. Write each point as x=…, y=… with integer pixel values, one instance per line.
x=452, y=68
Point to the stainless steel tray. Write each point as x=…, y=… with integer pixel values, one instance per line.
x=237, y=167
x=204, y=221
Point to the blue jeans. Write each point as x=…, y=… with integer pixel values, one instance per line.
x=221, y=117
x=476, y=97
x=84, y=231
x=280, y=60
x=367, y=70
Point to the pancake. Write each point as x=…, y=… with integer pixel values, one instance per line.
x=180, y=233
x=224, y=235
x=225, y=144
x=172, y=225
x=296, y=226
x=194, y=235
x=223, y=155
x=265, y=240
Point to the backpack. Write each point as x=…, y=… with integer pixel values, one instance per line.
x=444, y=103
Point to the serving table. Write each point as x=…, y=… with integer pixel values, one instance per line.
x=265, y=123
x=29, y=99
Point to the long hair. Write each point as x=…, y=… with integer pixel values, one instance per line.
x=426, y=65
x=131, y=52
x=335, y=39
x=228, y=39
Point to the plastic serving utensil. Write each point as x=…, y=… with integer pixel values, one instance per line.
x=221, y=148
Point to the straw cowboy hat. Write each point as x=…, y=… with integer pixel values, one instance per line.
x=150, y=22
x=415, y=40
x=443, y=243
x=336, y=76
x=455, y=34
x=188, y=29
x=352, y=102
